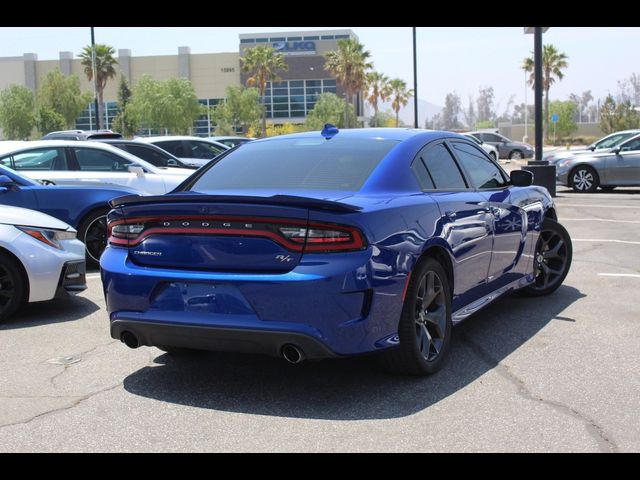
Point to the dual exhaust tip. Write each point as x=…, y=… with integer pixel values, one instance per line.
x=291, y=353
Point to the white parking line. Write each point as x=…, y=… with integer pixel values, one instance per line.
x=597, y=220
x=93, y=275
x=604, y=240
x=632, y=275
x=612, y=207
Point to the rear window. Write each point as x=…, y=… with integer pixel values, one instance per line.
x=297, y=163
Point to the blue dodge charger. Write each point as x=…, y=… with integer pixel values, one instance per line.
x=330, y=244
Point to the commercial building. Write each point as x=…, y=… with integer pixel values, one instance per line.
x=289, y=100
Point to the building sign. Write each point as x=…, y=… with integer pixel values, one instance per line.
x=295, y=48
x=227, y=69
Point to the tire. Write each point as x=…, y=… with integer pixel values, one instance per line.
x=424, y=344
x=607, y=188
x=515, y=155
x=552, y=259
x=92, y=231
x=584, y=179
x=12, y=286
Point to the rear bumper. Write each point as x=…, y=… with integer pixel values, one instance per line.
x=244, y=340
x=328, y=305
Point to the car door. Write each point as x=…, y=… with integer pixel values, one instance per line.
x=101, y=166
x=498, y=142
x=19, y=194
x=466, y=224
x=509, y=220
x=623, y=168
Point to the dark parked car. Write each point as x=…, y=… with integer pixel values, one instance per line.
x=506, y=148
x=81, y=135
x=331, y=244
x=231, y=141
x=156, y=156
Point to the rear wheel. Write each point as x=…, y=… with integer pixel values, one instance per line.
x=12, y=286
x=425, y=325
x=584, y=179
x=515, y=155
x=552, y=259
x=92, y=231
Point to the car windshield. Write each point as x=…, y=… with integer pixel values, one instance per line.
x=297, y=163
x=613, y=140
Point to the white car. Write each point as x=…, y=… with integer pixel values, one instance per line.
x=490, y=149
x=194, y=151
x=40, y=259
x=67, y=162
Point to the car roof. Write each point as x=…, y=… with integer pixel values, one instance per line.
x=229, y=137
x=399, y=134
x=179, y=137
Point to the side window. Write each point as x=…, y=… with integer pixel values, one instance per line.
x=151, y=155
x=482, y=172
x=631, y=145
x=174, y=147
x=94, y=160
x=490, y=137
x=442, y=168
x=203, y=150
x=6, y=161
x=421, y=173
x=40, y=159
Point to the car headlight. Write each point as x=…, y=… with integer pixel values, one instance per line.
x=48, y=236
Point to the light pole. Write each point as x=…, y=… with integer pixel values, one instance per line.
x=415, y=82
x=95, y=80
x=526, y=110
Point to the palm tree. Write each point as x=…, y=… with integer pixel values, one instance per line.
x=377, y=89
x=553, y=62
x=105, y=70
x=262, y=64
x=349, y=65
x=400, y=96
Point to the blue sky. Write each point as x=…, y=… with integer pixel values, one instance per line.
x=460, y=59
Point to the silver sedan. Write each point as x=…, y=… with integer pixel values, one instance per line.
x=619, y=166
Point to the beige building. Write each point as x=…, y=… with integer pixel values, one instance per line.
x=289, y=100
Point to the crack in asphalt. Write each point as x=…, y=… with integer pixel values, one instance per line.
x=81, y=355
x=605, y=443
x=62, y=409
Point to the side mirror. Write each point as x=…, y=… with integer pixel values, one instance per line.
x=172, y=163
x=616, y=150
x=591, y=147
x=139, y=171
x=7, y=183
x=521, y=178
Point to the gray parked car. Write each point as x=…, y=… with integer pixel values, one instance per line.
x=604, y=144
x=506, y=148
x=619, y=166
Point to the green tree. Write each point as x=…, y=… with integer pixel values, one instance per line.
x=383, y=119
x=452, y=107
x=618, y=116
x=485, y=104
x=240, y=109
x=125, y=121
x=399, y=96
x=329, y=109
x=566, y=111
x=60, y=94
x=553, y=62
x=171, y=104
x=104, y=71
x=377, y=90
x=17, y=112
x=349, y=65
x=485, y=124
x=262, y=64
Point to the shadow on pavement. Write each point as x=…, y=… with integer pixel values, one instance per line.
x=65, y=309
x=346, y=389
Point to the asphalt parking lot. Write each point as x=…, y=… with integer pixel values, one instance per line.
x=561, y=373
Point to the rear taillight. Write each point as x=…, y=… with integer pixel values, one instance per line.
x=294, y=235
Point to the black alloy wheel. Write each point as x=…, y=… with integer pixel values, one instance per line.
x=93, y=233
x=552, y=259
x=424, y=330
x=11, y=287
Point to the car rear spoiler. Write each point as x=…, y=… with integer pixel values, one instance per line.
x=284, y=200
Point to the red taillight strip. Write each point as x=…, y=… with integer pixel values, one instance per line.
x=310, y=244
